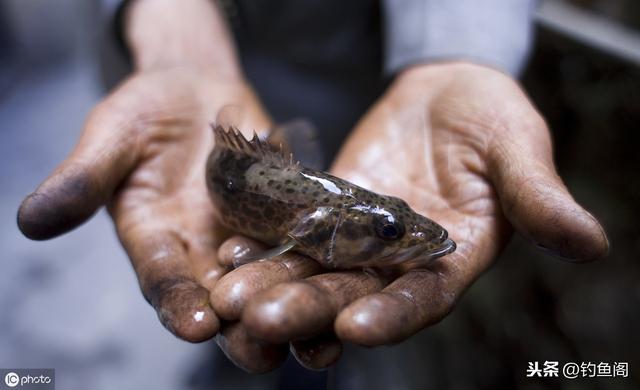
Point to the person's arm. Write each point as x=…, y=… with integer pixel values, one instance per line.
x=165, y=33
x=142, y=154
x=495, y=33
x=131, y=30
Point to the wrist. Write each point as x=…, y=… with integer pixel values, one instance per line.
x=169, y=33
x=430, y=78
x=440, y=70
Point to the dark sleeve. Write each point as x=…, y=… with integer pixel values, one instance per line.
x=496, y=33
x=114, y=58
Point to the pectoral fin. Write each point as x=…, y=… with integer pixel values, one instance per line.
x=270, y=253
x=316, y=234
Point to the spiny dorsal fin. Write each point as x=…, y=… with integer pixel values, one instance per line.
x=300, y=137
x=234, y=140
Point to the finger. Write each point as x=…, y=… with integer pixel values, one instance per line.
x=535, y=200
x=317, y=353
x=204, y=240
x=236, y=288
x=419, y=298
x=162, y=265
x=304, y=309
x=84, y=181
x=206, y=269
x=396, y=313
x=252, y=355
x=232, y=252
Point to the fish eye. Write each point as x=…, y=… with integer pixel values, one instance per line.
x=389, y=229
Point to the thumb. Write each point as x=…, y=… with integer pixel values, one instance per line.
x=85, y=181
x=535, y=200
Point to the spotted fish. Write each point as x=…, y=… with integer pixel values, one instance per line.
x=264, y=195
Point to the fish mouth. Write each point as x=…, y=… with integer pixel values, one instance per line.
x=447, y=246
x=444, y=248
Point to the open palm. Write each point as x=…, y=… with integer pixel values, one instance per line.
x=142, y=153
x=462, y=145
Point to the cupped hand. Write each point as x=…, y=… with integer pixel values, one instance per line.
x=462, y=144
x=142, y=153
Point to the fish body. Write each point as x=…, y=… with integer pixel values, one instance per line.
x=263, y=195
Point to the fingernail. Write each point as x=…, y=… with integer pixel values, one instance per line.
x=603, y=233
x=555, y=253
x=318, y=353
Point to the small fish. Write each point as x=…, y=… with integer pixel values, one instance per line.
x=264, y=195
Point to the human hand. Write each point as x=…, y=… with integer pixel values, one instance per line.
x=462, y=145
x=142, y=153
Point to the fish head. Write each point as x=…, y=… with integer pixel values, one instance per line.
x=386, y=234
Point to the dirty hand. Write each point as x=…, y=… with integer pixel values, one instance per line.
x=142, y=153
x=462, y=144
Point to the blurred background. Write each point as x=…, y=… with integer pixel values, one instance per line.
x=73, y=303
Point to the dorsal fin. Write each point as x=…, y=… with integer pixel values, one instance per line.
x=234, y=140
x=300, y=137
